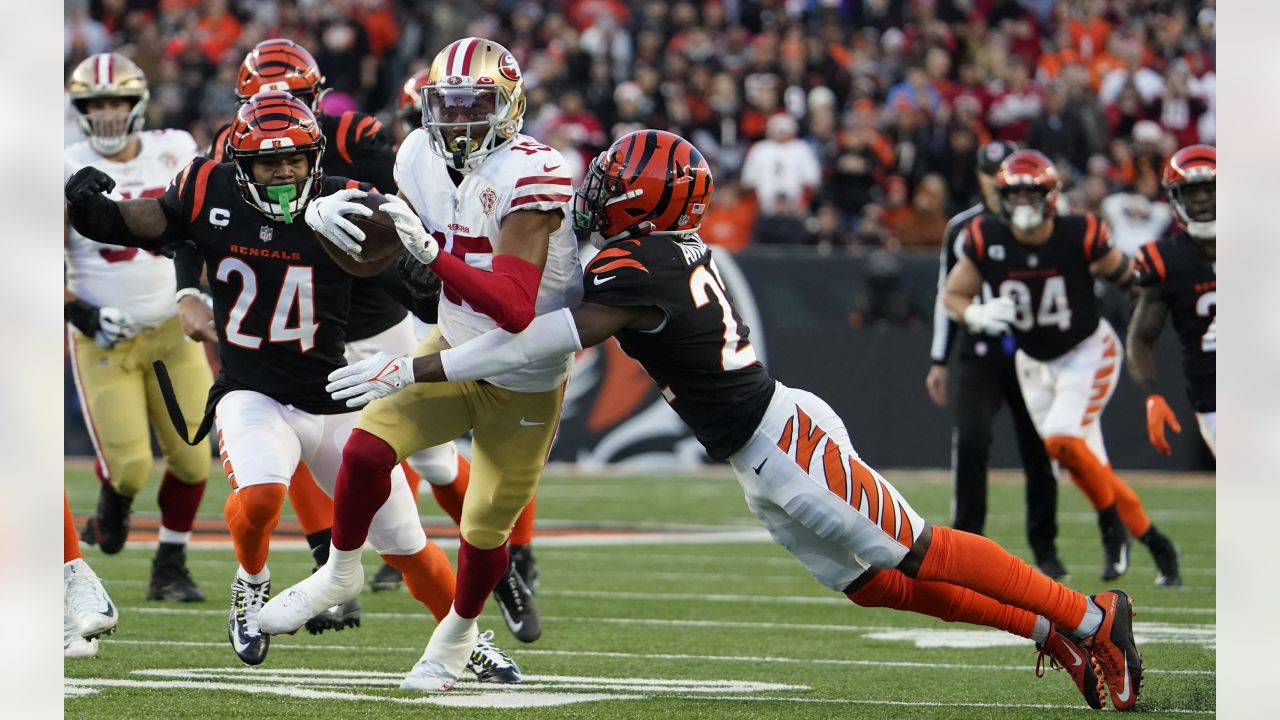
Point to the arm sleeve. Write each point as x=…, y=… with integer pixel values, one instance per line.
x=507, y=294
x=188, y=265
x=498, y=351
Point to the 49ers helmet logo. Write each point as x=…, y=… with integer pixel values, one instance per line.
x=508, y=67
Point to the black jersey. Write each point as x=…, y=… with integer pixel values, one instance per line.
x=355, y=147
x=1187, y=279
x=701, y=357
x=279, y=301
x=1050, y=283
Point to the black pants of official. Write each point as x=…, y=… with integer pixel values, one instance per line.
x=983, y=384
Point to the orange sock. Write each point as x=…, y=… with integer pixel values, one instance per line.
x=429, y=577
x=413, y=477
x=1130, y=507
x=313, y=508
x=252, y=513
x=977, y=563
x=522, y=533
x=449, y=497
x=1092, y=477
x=892, y=589
x=70, y=541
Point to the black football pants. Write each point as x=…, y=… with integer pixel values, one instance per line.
x=983, y=384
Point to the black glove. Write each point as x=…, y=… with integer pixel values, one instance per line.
x=87, y=183
x=82, y=315
x=423, y=286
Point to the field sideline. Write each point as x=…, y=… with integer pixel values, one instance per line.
x=727, y=626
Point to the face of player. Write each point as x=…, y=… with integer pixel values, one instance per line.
x=280, y=168
x=1200, y=201
x=1025, y=206
x=462, y=115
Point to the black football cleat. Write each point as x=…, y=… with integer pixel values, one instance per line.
x=519, y=609
x=522, y=558
x=1052, y=567
x=337, y=617
x=1165, y=554
x=170, y=579
x=109, y=528
x=247, y=639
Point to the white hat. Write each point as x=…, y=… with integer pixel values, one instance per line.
x=1147, y=131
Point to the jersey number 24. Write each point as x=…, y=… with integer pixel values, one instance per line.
x=296, y=291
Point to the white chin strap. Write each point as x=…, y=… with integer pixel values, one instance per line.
x=1026, y=218
x=1203, y=230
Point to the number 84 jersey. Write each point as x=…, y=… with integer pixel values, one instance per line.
x=1050, y=284
x=701, y=356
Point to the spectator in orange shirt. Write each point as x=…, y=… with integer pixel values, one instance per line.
x=925, y=222
x=728, y=221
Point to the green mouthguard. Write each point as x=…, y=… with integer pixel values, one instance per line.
x=283, y=195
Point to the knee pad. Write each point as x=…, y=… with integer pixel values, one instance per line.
x=129, y=472
x=1069, y=450
x=437, y=466
x=406, y=538
x=189, y=468
x=260, y=504
x=482, y=537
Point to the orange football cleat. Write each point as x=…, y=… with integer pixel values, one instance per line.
x=1065, y=654
x=1113, y=650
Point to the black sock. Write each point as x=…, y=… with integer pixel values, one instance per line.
x=319, y=544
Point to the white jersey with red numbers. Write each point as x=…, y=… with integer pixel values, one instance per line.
x=136, y=281
x=465, y=219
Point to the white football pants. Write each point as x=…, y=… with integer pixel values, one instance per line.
x=805, y=482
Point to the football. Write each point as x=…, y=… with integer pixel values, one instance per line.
x=380, y=238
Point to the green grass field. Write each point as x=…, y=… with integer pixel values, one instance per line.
x=703, y=618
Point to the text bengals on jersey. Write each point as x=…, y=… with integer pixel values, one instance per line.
x=265, y=253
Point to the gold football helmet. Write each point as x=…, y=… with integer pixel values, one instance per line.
x=473, y=101
x=108, y=75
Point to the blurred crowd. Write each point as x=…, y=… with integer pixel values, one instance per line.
x=848, y=124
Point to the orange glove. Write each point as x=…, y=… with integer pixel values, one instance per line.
x=1158, y=415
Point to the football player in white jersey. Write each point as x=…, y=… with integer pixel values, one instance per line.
x=119, y=304
x=486, y=209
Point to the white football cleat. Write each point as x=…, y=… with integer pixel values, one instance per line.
x=447, y=654
x=428, y=676
x=73, y=645
x=291, y=609
x=87, y=601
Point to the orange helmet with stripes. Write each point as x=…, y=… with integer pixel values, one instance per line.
x=1195, y=165
x=275, y=123
x=108, y=75
x=1028, y=186
x=409, y=107
x=649, y=182
x=473, y=101
x=280, y=64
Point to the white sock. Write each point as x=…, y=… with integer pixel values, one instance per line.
x=174, y=537
x=258, y=577
x=1092, y=619
x=1041, y=632
x=343, y=564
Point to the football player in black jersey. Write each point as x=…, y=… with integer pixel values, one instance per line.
x=357, y=147
x=1041, y=267
x=655, y=287
x=280, y=304
x=985, y=380
x=1177, y=276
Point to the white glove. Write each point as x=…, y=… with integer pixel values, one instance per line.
x=325, y=216
x=372, y=378
x=993, y=316
x=413, y=235
x=114, y=325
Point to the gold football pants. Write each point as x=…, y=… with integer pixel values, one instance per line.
x=511, y=436
x=119, y=396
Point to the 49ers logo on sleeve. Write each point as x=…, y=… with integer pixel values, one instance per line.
x=508, y=67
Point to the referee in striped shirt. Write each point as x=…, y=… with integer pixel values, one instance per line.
x=985, y=379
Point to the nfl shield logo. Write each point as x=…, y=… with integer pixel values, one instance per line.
x=264, y=233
